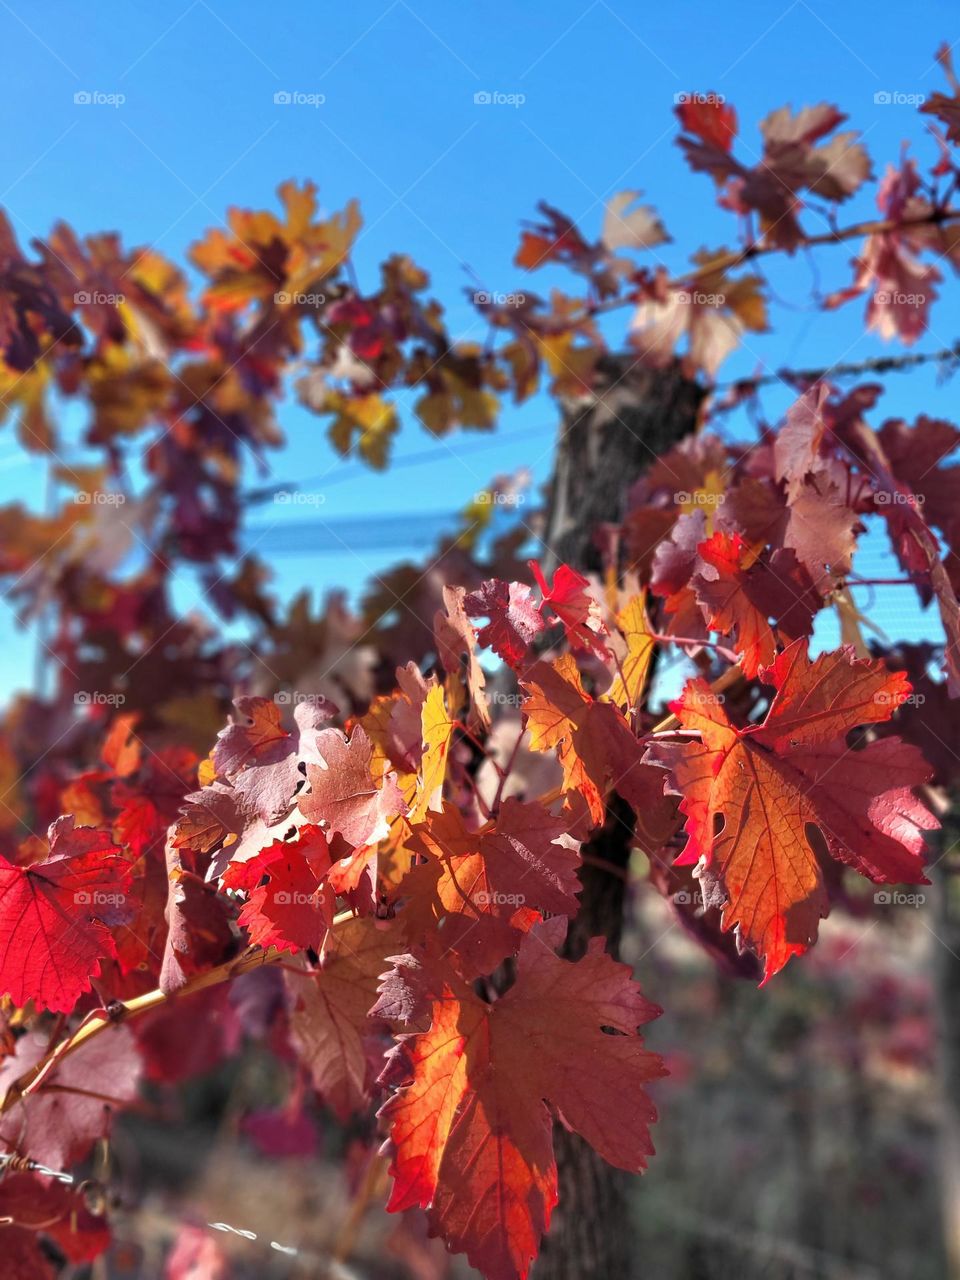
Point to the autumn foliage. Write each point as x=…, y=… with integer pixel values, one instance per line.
x=393, y=847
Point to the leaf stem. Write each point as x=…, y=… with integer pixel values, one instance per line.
x=123, y=1011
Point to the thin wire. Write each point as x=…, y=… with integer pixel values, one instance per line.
x=23, y=1164
x=876, y=364
x=356, y=470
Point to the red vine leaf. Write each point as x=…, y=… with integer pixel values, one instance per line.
x=579, y=613
x=489, y=886
x=55, y=916
x=58, y=1126
x=514, y=618
x=595, y=746
x=739, y=593
x=472, y=1127
x=752, y=795
x=329, y=1023
x=288, y=906
x=344, y=795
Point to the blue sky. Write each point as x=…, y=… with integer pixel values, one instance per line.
x=442, y=178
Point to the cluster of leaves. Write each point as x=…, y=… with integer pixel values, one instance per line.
x=416, y=892
x=176, y=388
x=374, y=870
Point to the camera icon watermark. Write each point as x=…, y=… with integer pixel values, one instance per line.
x=293, y=898
x=698, y=299
x=897, y=499
x=699, y=499
x=699, y=99
x=500, y=699
x=498, y=498
x=95, y=98
x=299, y=498
x=284, y=299
x=293, y=698
x=95, y=698
x=897, y=898
x=885, y=699
x=295, y=98
x=96, y=498
x=95, y=298
x=897, y=298
x=486, y=298
x=894, y=98
x=494, y=98
x=83, y=898
x=687, y=897
x=699, y=698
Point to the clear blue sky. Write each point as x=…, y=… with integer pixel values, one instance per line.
x=438, y=176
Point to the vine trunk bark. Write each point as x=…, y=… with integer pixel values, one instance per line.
x=946, y=952
x=604, y=446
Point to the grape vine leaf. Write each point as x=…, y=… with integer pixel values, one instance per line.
x=60, y=1125
x=569, y=598
x=595, y=746
x=751, y=795
x=634, y=665
x=288, y=906
x=456, y=649
x=739, y=592
x=514, y=619
x=329, y=1024
x=30, y=1205
x=471, y=1128
x=343, y=793
x=488, y=885
x=262, y=758
x=55, y=916
x=437, y=731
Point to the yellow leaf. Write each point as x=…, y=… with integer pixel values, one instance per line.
x=628, y=687
x=437, y=730
x=370, y=418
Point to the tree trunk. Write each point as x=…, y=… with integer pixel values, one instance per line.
x=603, y=448
x=946, y=951
x=605, y=445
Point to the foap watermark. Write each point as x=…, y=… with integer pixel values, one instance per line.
x=283, y=299
x=698, y=299
x=95, y=298
x=96, y=98
x=295, y=98
x=895, y=98
x=491, y=898
x=98, y=498
x=898, y=499
x=494, y=98
x=699, y=499
x=293, y=698
x=499, y=498
x=504, y=699
x=299, y=498
x=687, y=897
x=897, y=898
x=96, y=698
x=897, y=298
x=704, y=698
x=886, y=699
x=699, y=99
x=485, y=298
x=294, y=898
x=97, y=898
